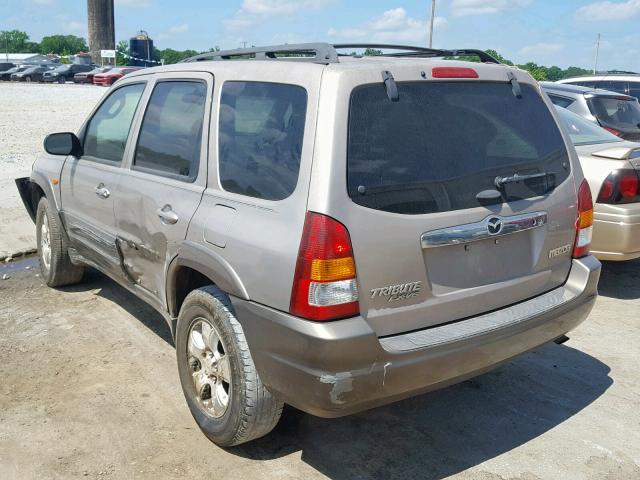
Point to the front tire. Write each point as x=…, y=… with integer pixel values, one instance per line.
x=61, y=80
x=219, y=379
x=55, y=265
x=27, y=79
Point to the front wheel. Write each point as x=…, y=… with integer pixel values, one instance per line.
x=219, y=379
x=27, y=79
x=55, y=265
x=61, y=80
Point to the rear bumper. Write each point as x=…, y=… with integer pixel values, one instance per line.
x=338, y=368
x=616, y=232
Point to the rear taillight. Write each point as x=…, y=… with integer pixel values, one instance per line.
x=617, y=133
x=584, y=222
x=453, y=72
x=621, y=186
x=324, y=287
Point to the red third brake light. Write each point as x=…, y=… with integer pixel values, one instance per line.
x=324, y=286
x=453, y=72
x=584, y=222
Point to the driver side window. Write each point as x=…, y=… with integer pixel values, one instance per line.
x=108, y=130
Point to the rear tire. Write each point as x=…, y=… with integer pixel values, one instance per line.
x=210, y=346
x=55, y=265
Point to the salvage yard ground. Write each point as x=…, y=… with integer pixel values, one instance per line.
x=89, y=385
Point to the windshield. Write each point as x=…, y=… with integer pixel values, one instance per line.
x=615, y=112
x=442, y=143
x=62, y=68
x=582, y=131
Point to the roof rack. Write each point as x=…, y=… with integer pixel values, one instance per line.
x=301, y=52
x=411, y=51
x=325, y=53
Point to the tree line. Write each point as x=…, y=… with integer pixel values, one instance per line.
x=16, y=41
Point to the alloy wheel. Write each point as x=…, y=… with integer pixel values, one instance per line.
x=209, y=367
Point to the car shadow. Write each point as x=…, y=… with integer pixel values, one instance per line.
x=431, y=436
x=110, y=290
x=620, y=280
x=442, y=433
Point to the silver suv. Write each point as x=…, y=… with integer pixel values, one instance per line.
x=332, y=232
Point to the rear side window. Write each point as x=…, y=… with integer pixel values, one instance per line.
x=260, y=138
x=109, y=127
x=563, y=102
x=171, y=133
x=442, y=143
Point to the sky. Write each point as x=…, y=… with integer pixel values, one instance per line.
x=548, y=32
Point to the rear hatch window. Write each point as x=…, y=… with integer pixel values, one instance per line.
x=442, y=143
x=619, y=113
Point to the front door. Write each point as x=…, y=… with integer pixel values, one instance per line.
x=161, y=189
x=88, y=184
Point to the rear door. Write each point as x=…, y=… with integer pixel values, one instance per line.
x=162, y=187
x=89, y=183
x=430, y=244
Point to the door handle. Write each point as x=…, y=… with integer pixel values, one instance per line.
x=167, y=215
x=102, y=191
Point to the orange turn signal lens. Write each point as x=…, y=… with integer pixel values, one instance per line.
x=333, y=269
x=586, y=218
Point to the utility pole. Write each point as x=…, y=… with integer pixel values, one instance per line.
x=595, y=63
x=433, y=15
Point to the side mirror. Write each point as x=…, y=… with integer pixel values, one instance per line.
x=65, y=143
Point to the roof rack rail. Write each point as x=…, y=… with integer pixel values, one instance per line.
x=301, y=52
x=411, y=51
x=326, y=53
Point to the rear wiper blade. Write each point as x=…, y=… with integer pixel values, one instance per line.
x=515, y=178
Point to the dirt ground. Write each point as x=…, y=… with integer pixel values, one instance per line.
x=89, y=388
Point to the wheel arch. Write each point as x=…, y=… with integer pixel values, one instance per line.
x=195, y=266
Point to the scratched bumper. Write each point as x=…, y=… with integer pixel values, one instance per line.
x=338, y=368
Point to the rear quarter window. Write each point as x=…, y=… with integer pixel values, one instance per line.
x=442, y=143
x=260, y=138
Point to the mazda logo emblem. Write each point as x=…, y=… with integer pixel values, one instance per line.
x=494, y=226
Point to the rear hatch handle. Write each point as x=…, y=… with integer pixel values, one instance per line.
x=492, y=226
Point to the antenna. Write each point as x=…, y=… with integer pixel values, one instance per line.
x=433, y=14
x=595, y=63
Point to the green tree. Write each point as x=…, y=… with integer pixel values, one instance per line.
x=58, y=44
x=536, y=71
x=372, y=52
x=14, y=41
x=554, y=73
x=122, y=53
x=170, y=55
x=499, y=57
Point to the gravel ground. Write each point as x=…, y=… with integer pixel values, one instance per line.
x=89, y=388
x=28, y=112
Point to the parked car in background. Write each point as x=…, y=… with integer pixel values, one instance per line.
x=626, y=83
x=112, y=76
x=31, y=74
x=615, y=112
x=4, y=66
x=612, y=167
x=426, y=221
x=65, y=73
x=6, y=75
x=87, y=77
